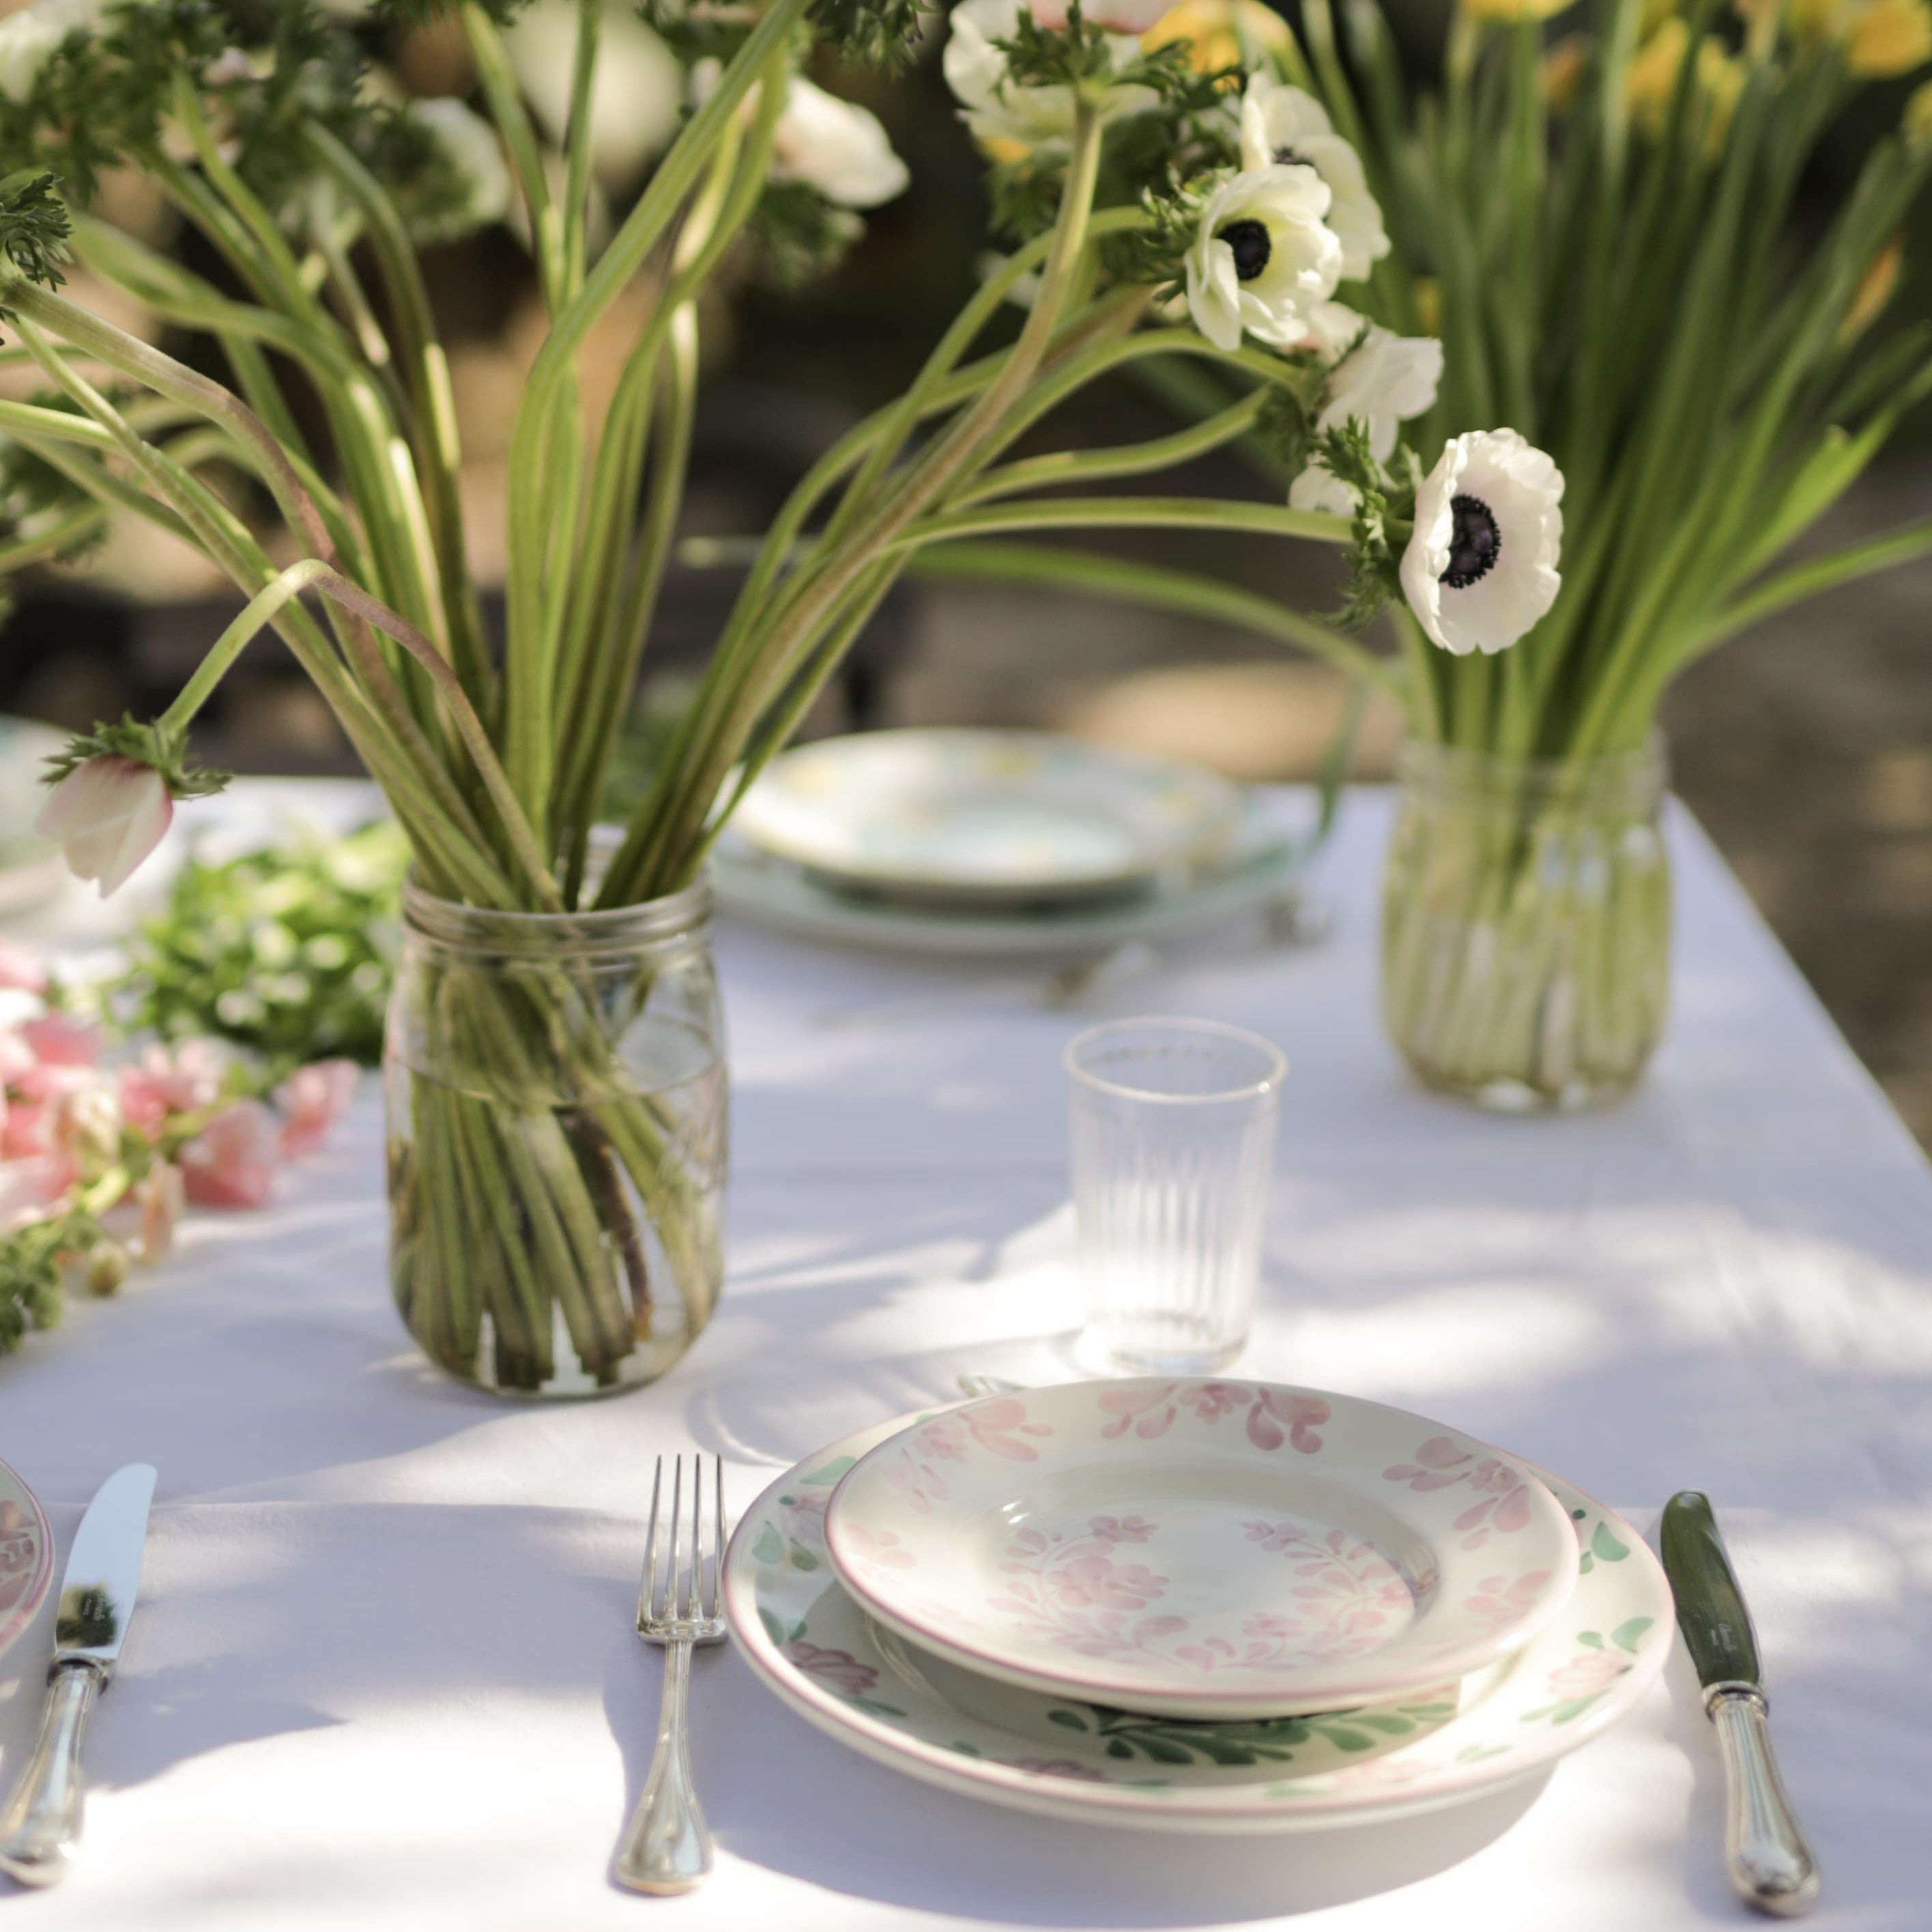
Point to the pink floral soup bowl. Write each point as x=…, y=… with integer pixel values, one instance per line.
x=1201, y=1549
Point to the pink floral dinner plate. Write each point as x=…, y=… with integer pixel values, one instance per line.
x=1202, y=1549
x=26, y=1555
x=818, y=1651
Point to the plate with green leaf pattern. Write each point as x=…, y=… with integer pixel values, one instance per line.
x=1059, y=1757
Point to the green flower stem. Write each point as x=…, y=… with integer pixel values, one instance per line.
x=577, y=142
x=435, y=440
x=530, y=696
x=504, y=97
x=1163, y=589
x=1063, y=467
x=163, y=373
x=1057, y=513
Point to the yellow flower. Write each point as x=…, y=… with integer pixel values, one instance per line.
x=1561, y=72
x=1223, y=33
x=1875, y=290
x=1889, y=37
x=1917, y=125
x=1651, y=80
x=1513, y=10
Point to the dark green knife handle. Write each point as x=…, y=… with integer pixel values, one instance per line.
x=1710, y=1611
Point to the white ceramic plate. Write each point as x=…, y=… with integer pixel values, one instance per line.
x=1262, y=873
x=26, y=1555
x=975, y=818
x=1201, y=1549
x=1067, y=1759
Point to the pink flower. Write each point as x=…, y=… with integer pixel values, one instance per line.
x=58, y=1040
x=160, y=1084
x=108, y=813
x=1121, y=1529
x=21, y=969
x=29, y=1188
x=836, y=1670
x=1588, y=1672
x=231, y=1163
x=26, y=1129
x=312, y=1100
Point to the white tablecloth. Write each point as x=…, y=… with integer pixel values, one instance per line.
x=382, y=1672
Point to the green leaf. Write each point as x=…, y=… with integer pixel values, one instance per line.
x=1072, y=1720
x=1593, y=1638
x=1626, y=1636
x=769, y=1547
x=801, y=1558
x=1604, y=1545
x=773, y=1628
x=823, y=1478
x=1346, y=1740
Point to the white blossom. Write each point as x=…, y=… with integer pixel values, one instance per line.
x=470, y=144
x=108, y=813
x=1480, y=568
x=30, y=38
x=1382, y=382
x=993, y=107
x=1283, y=126
x=1263, y=260
x=836, y=147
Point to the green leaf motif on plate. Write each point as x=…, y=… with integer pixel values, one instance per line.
x=1605, y=1547
x=769, y=1547
x=801, y=1558
x=824, y=1478
x=1263, y=1741
x=875, y=1707
x=1628, y=1636
x=773, y=1628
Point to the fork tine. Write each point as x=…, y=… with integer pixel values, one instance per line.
x=715, y=1605
x=672, y=1587
x=647, y=1583
x=694, y=1596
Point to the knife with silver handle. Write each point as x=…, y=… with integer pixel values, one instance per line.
x=1770, y=1863
x=40, y=1826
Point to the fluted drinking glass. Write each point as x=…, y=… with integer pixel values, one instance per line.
x=1173, y=1126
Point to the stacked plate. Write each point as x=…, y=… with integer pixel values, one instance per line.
x=1205, y=1606
x=996, y=842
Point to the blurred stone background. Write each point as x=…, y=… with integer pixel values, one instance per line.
x=1805, y=747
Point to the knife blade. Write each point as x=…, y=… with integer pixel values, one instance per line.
x=40, y=1826
x=1770, y=1863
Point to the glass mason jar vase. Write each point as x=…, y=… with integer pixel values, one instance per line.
x=1526, y=924
x=554, y=1088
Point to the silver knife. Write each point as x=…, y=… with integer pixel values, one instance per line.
x=1770, y=1865
x=40, y=1826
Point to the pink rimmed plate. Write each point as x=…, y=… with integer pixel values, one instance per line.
x=26, y=1555
x=1201, y=1549
x=841, y=1670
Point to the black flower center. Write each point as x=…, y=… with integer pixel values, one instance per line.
x=1286, y=158
x=1248, y=239
x=1474, y=542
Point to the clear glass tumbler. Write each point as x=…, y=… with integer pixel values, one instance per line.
x=1173, y=1136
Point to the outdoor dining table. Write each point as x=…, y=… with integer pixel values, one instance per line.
x=383, y=1674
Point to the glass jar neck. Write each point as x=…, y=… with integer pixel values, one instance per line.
x=1631, y=782
x=449, y=925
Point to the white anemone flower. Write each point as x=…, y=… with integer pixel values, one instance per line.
x=1283, y=126
x=835, y=147
x=1481, y=567
x=475, y=155
x=993, y=107
x=1262, y=260
x=30, y=38
x=1382, y=382
x=108, y=813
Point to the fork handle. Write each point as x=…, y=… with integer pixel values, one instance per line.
x=667, y=1846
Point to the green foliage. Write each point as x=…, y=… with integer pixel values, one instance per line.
x=30, y=1274
x=34, y=229
x=287, y=951
x=800, y=235
x=876, y=33
x=161, y=749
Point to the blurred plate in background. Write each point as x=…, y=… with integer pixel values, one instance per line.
x=985, y=818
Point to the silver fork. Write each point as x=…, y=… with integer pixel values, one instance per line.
x=666, y=1846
